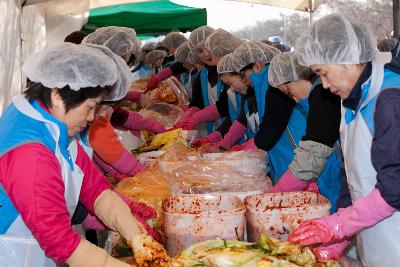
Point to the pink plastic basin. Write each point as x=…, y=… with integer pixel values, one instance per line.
x=277, y=214
x=190, y=219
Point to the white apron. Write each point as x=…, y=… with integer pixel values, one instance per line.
x=378, y=246
x=18, y=248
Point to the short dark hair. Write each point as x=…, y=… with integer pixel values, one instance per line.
x=75, y=37
x=71, y=98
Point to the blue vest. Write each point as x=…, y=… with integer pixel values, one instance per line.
x=261, y=85
x=204, y=91
x=390, y=80
x=16, y=130
x=282, y=154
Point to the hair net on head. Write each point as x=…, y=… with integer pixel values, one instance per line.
x=173, y=40
x=124, y=75
x=252, y=52
x=181, y=53
x=193, y=59
x=120, y=40
x=336, y=39
x=285, y=67
x=154, y=55
x=226, y=64
x=148, y=47
x=199, y=35
x=387, y=45
x=221, y=42
x=77, y=66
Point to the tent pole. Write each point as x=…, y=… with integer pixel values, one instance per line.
x=396, y=18
x=311, y=10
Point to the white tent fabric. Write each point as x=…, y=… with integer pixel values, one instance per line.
x=25, y=30
x=302, y=5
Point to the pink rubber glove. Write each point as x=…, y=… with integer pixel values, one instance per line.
x=133, y=96
x=209, y=113
x=134, y=121
x=312, y=187
x=213, y=137
x=128, y=164
x=106, y=168
x=187, y=115
x=236, y=131
x=153, y=82
x=247, y=146
x=365, y=212
x=288, y=183
x=333, y=251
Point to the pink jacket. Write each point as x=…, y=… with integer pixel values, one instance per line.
x=31, y=176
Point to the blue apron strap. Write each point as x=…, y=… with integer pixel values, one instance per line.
x=8, y=213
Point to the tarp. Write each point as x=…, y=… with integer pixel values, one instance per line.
x=301, y=5
x=148, y=18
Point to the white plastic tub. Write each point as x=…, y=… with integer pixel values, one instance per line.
x=277, y=214
x=197, y=218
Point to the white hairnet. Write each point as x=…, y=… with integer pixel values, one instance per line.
x=335, y=39
x=148, y=47
x=198, y=36
x=154, y=55
x=251, y=52
x=120, y=40
x=182, y=52
x=387, y=45
x=193, y=59
x=124, y=76
x=221, y=42
x=226, y=64
x=77, y=66
x=285, y=67
x=173, y=40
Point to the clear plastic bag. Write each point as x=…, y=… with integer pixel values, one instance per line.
x=164, y=113
x=149, y=187
x=170, y=91
x=222, y=172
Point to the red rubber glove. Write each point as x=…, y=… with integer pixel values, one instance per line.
x=187, y=115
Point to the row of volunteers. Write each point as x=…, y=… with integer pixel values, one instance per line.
x=342, y=142
x=278, y=102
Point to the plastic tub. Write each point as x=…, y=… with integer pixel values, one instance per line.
x=197, y=218
x=277, y=214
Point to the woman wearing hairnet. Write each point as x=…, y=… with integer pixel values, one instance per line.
x=181, y=68
x=317, y=155
x=171, y=41
x=217, y=44
x=249, y=94
x=154, y=60
x=343, y=52
x=40, y=130
x=206, y=81
x=110, y=154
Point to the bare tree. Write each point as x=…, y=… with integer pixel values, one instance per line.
x=377, y=14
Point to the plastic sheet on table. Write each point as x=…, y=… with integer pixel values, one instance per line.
x=208, y=177
x=166, y=114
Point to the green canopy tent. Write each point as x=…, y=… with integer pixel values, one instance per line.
x=148, y=18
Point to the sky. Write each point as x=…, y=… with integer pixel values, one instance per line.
x=232, y=15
